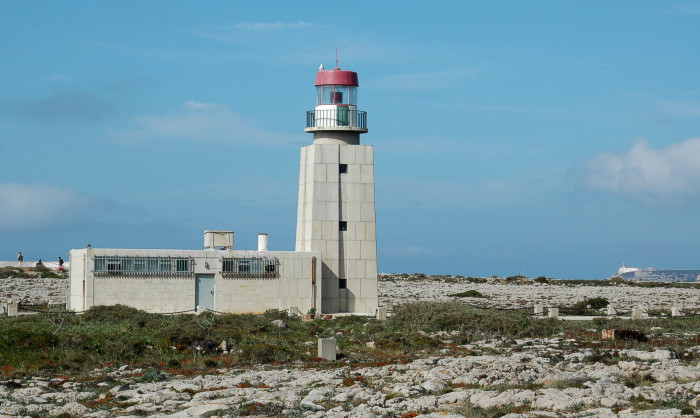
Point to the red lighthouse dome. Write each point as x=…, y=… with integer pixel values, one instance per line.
x=336, y=76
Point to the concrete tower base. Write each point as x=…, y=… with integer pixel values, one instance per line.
x=336, y=216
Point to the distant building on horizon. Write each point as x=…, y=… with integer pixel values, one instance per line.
x=651, y=274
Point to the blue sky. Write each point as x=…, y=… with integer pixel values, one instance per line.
x=547, y=138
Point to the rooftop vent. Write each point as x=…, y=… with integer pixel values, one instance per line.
x=218, y=240
x=262, y=241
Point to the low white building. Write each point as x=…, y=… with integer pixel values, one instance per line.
x=334, y=267
x=220, y=279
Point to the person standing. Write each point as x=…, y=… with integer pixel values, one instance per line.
x=60, y=264
x=20, y=258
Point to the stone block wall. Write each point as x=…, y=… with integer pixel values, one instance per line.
x=327, y=197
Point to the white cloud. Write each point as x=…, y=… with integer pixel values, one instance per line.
x=38, y=206
x=202, y=122
x=272, y=26
x=668, y=176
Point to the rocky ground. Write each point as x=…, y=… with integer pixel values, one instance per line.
x=562, y=376
x=520, y=378
x=34, y=291
x=498, y=294
x=399, y=289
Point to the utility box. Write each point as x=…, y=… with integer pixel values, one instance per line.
x=381, y=314
x=539, y=309
x=554, y=313
x=218, y=239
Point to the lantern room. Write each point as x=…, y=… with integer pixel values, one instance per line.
x=336, y=87
x=336, y=103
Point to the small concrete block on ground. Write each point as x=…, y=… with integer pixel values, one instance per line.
x=327, y=348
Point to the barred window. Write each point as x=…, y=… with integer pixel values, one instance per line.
x=244, y=265
x=140, y=265
x=143, y=266
x=255, y=267
x=115, y=267
x=165, y=265
x=228, y=265
x=182, y=265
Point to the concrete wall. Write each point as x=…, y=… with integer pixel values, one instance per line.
x=258, y=295
x=327, y=197
x=177, y=293
x=77, y=280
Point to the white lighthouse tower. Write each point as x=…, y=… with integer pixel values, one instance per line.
x=336, y=213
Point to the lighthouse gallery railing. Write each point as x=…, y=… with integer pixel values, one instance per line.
x=329, y=118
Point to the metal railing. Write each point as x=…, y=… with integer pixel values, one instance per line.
x=250, y=267
x=143, y=266
x=339, y=117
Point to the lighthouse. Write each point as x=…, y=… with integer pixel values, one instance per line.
x=336, y=213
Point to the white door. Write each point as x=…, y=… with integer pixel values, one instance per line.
x=204, y=292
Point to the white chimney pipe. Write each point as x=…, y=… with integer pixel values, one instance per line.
x=262, y=241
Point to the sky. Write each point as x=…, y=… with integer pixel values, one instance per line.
x=547, y=138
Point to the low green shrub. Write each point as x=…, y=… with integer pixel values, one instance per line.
x=474, y=323
x=586, y=306
x=640, y=379
x=40, y=268
x=110, y=336
x=153, y=375
x=597, y=303
x=14, y=272
x=468, y=294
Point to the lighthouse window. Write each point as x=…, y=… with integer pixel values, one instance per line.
x=343, y=169
x=336, y=94
x=353, y=95
x=342, y=283
x=343, y=225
